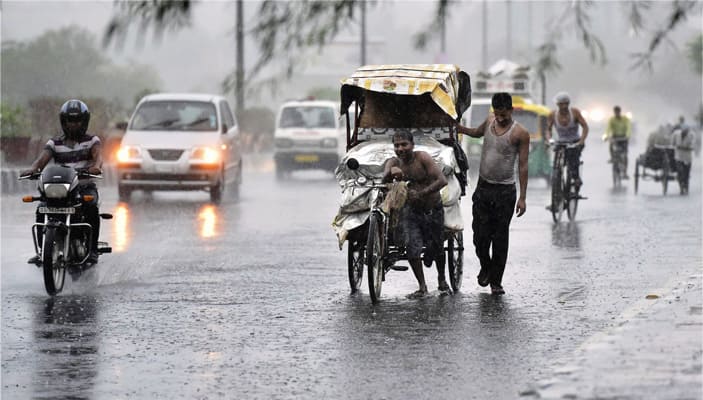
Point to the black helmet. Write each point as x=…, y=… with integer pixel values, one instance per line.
x=74, y=111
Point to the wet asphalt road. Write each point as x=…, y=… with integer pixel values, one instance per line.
x=250, y=299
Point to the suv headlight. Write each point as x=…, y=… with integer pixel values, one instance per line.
x=328, y=142
x=205, y=154
x=128, y=153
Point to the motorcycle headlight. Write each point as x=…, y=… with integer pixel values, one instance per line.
x=206, y=155
x=328, y=142
x=56, y=190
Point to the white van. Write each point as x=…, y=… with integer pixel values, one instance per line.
x=180, y=142
x=308, y=135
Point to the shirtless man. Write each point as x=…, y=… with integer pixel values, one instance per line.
x=423, y=215
x=505, y=141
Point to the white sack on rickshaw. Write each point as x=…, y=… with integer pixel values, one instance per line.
x=372, y=155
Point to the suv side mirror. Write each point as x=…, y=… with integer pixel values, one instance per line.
x=224, y=129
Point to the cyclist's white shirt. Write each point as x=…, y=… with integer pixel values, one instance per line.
x=568, y=133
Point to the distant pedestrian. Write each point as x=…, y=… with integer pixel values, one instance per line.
x=505, y=141
x=683, y=149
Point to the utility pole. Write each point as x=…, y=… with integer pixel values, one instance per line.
x=509, y=27
x=443, y=33
x=363, y=32
x=239, y=72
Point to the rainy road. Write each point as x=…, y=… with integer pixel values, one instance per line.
x=250, y=299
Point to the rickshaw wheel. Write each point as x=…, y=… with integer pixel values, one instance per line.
x=374, y=259
x=455, y=259
x=637, y=175
x=355, y=264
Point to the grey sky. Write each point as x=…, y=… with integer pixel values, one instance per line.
x=198, y=58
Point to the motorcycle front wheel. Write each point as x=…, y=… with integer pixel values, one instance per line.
x=53, y=261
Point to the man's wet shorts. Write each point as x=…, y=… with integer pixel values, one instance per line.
x=422, y=227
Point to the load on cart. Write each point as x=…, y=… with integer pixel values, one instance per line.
x=378, y=101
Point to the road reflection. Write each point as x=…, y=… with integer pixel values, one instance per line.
x=120, y=228
x=566, y=235
x=67, y=347
x=208, y=221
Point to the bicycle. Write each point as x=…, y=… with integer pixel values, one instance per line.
x=565, y=192
x=619, y=160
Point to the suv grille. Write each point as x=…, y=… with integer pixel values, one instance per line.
x=165, y=155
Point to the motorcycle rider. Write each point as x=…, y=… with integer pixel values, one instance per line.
x=81, y=151
x=619, y=129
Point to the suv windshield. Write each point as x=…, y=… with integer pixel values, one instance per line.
x=307, y=117
x=175, y=115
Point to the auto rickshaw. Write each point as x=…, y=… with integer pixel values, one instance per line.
x=426, y=100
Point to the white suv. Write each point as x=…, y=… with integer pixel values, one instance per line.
x=308, y=136
x=180, y=142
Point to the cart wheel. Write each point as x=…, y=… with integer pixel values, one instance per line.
x=355, y=264
x=455, y=258
x=637, y=174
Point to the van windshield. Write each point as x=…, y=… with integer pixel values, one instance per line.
x=307, y=117
x=175, y=116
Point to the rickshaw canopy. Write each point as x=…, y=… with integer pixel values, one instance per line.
x=446, y=84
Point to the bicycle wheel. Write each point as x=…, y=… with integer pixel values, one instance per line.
x=617, y=171
x=374, y=258
x=637, y=175
x=53, y=261
x=355, y=264
x=557, y=187
x=455, y=259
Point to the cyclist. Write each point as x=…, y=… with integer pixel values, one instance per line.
x=618, y=131
x=78, y=149
x=566, y=121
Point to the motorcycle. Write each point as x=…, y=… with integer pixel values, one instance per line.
x=65, y=234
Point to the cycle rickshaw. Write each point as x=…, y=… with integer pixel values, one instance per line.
x=657, y=164
x=379, y=100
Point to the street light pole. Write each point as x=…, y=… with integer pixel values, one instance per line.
x=239, y=72
x=363, y=32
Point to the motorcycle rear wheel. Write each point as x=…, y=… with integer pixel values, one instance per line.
x=53, y=261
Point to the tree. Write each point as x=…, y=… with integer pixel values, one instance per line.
x=68, y=63
x=286, y=28
x=695, y=53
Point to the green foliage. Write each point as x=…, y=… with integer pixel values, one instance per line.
x=13, y=121
x=694, y=49
x=67, y=63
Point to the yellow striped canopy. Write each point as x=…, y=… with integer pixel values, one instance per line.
x=439, y=80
